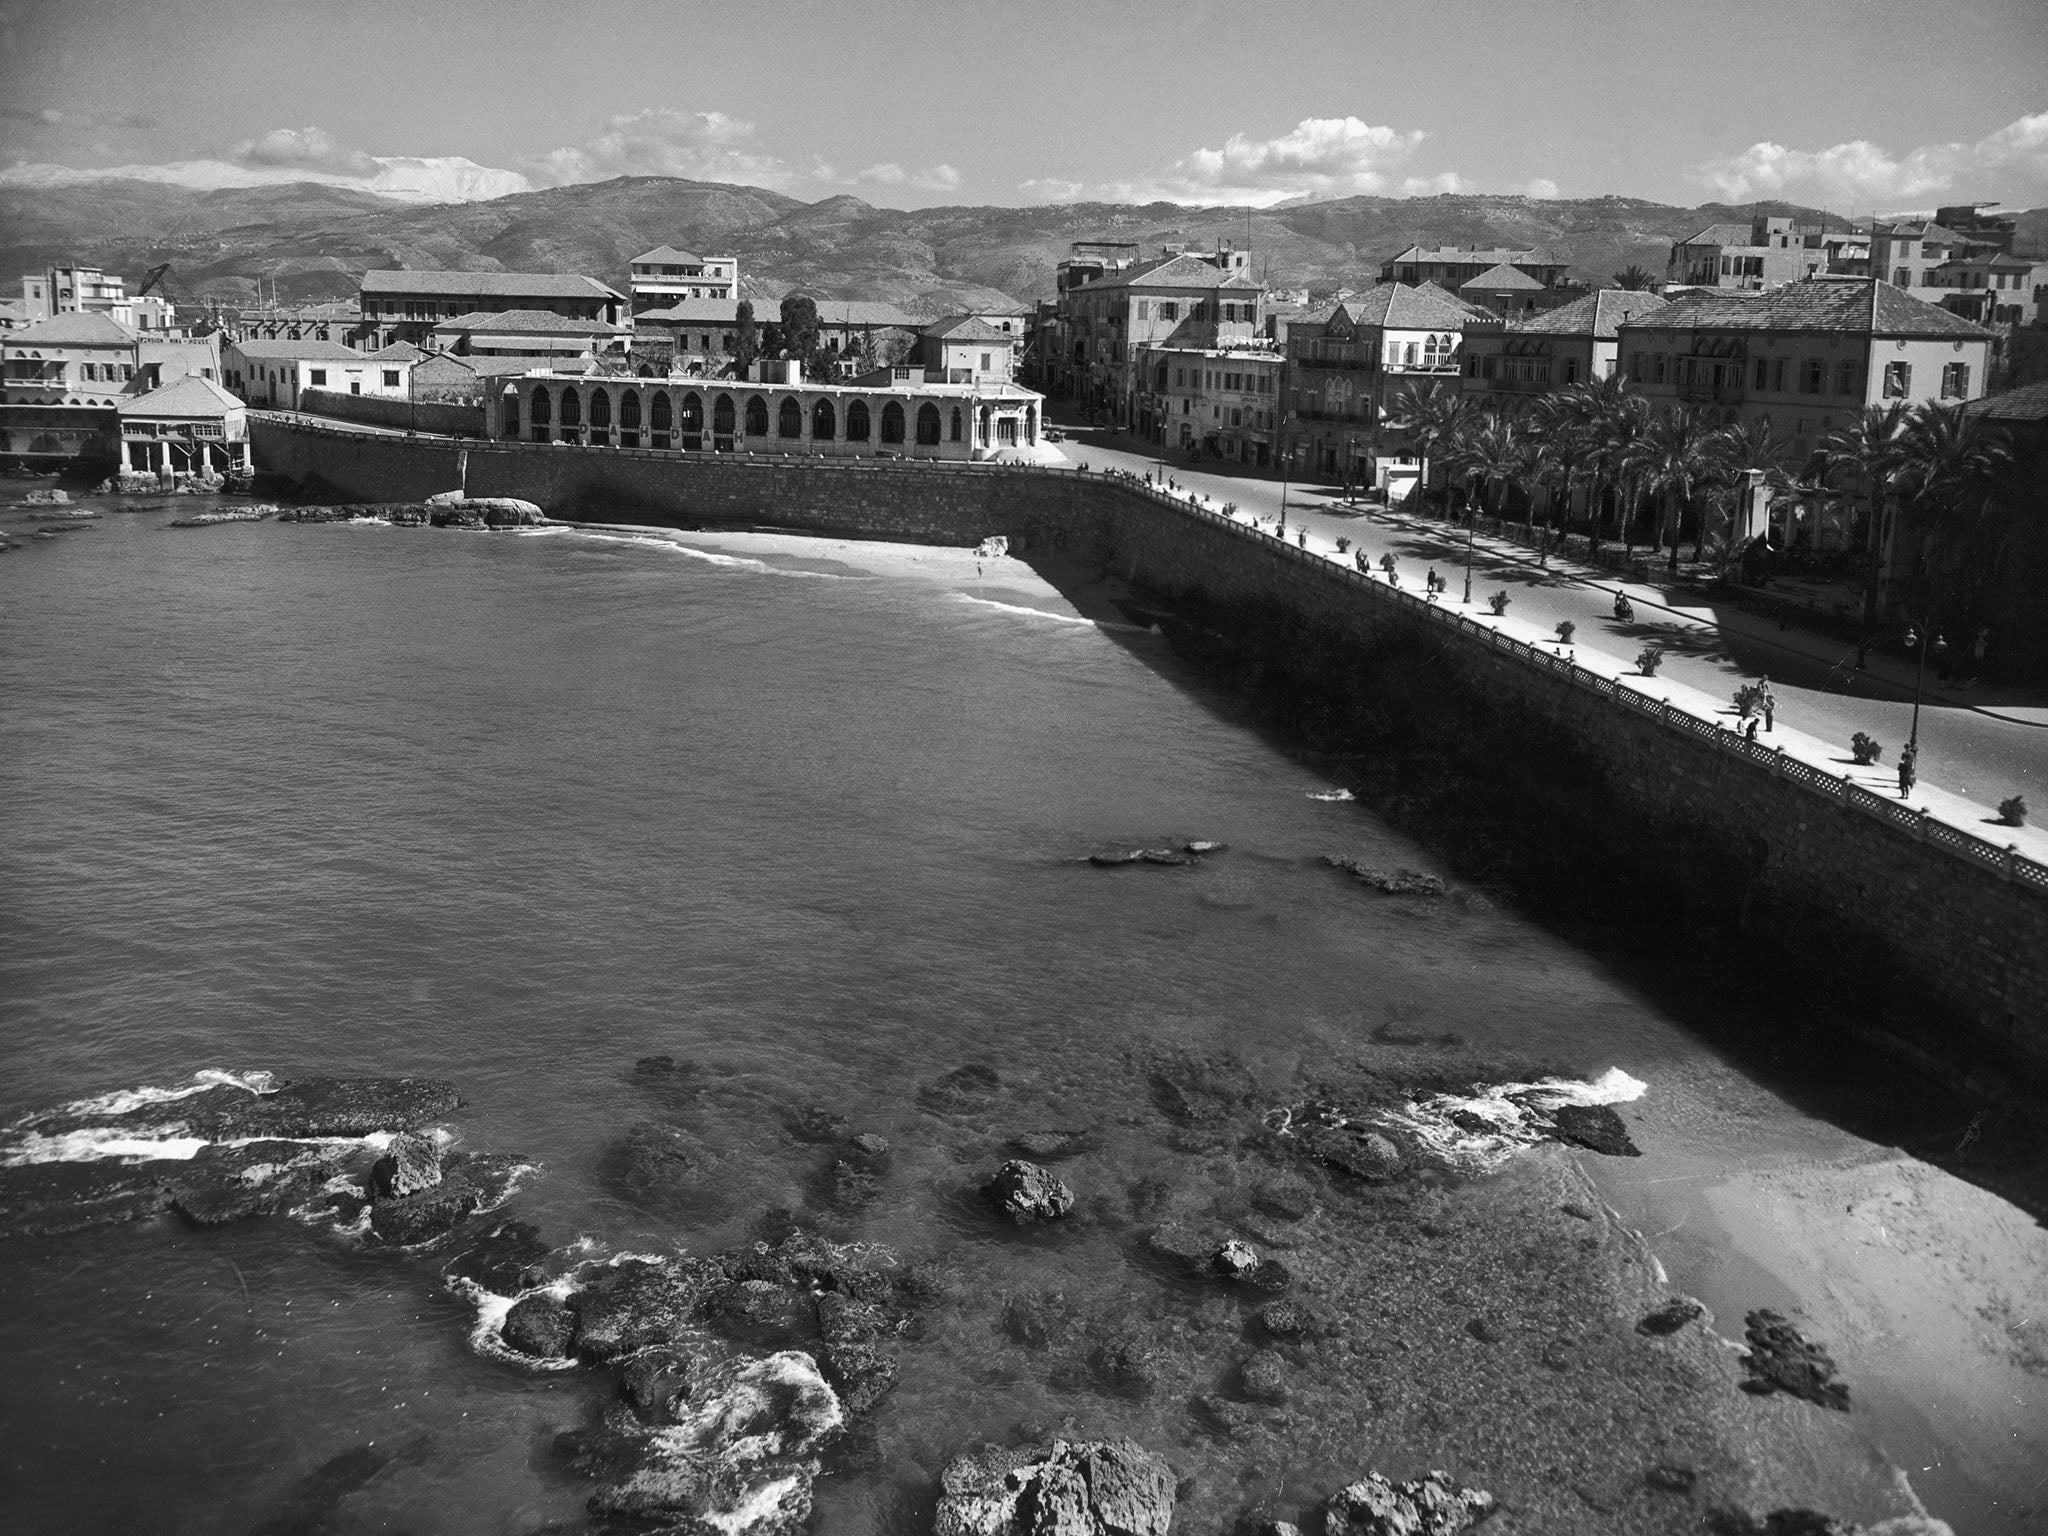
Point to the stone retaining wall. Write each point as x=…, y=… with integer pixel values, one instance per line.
x=1965, y=917
x=385, y=411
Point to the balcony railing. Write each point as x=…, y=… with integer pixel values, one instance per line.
x=1727, y=392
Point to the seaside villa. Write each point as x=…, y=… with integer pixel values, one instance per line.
x=892, y=412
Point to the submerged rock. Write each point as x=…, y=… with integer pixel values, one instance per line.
x=1782, y=1360
x=1670, y=1317
x=1398, y=882
x=971, y=1087
x=1050, y=1146
x=1429, y=1506
x=1025, y=1192
x=1595, y=1127
x=655, y=1378
x=862, y=1373
x=661, y=1166
x=634, y=1303
x=1262, y=1377
x=1364, y=1154
x=1088, y=1488
x=408, y=1220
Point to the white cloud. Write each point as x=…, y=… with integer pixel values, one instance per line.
x=932, y=178
x=660, y=141
x=1541, y=186
x=2011, y=165
x=307, y=149
x=1320, y=157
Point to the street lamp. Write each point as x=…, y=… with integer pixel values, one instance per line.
x=1471, y=524
x=1922, y=638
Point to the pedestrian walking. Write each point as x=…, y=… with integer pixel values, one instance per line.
x=1364, y=565
x=1979, y=644
x=1431, y=582
x=1751, y=732
x=1908, y=769
x=1766, y=701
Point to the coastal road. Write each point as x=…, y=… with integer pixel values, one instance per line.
x=1984, y=744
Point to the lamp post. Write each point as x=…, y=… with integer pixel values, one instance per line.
x=1921, y=636
x=1471, y=527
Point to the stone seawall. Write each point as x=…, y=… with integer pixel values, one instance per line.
x=457, y=420
x=1857, y=877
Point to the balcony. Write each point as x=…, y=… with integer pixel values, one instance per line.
x=1726, y=392
x=1346, y=364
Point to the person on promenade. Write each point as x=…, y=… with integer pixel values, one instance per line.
x=1979, y=644
x=1430, y=580
x=1364, y=565
x=1751, y=732
x=1908, y=769
x=1766, y=701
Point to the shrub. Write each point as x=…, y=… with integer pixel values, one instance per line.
x=1565, y=631
x=1343, y=545
x=1651, y=658
x=2013, y=812
x=1498, y=602
x=1748, y=700
x=1864, y=749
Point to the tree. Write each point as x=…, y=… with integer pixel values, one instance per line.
x=1563, y=442
x=1870, y=445
x=1494, y=448
x=800, y=332
x=1620, y=419
x=747, y=344
x=1430, y=418
x=1634, y=278
x=1949, y=463
x=1676, y=459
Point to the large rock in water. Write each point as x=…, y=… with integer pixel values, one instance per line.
x=1430, y=1506
x=540, y=1326
x=410, y=1164
x=1025, y=1192
x=1072, y=1488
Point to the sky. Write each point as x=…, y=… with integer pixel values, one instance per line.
x=1852, y=105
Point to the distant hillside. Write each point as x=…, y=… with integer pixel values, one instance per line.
x=311, y=242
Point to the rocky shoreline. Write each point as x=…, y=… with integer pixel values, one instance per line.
x=1404, y=1236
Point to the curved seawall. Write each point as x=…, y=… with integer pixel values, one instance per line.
x=1931, y=938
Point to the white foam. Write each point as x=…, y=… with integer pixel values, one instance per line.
x=100, y=1143
x=1515, y=1115
x=127, y=1100
x=1036, y=613
x=1331, y=794
x=486, y=1334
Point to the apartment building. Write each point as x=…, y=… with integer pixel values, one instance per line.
x=1348, y=363
x=63, y=381
x=1223, y=402
x=406, y=306
x=1450, y=267
x=664, y=277
x=1531, y=354
x=1765, y=253
x=1112, y=310
x=274, y=374
x=527, y=333
x=1806, y=358
x=966, y=349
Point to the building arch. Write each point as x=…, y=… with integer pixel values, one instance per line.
x=892, y=422
x=981, y=427
x=600, y=409
x=953, y=435
x=692, y=413
x=508, y=414
x=858, y=429
x=539, y=409
x=1031, y=426
x=789, y=419
x=572, y=407
x=757, y=416
x=661, y=412
x=722, y=421
x=928, y=425
x=629, y=410
x=824, y=420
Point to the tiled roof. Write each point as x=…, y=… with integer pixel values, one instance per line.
x=860, y=312
x=1400, y=307
x=1172, y=272
x=398, y=352
x=1500, y=278
x=527, y=322
x=1434, y=291
x=664, y=254
x=1599, y=315
x=1852, y=306
x=489, y=285
x=74, y=328
x=2027, y=403
x=1722, y=234
x=188, y=396
x=1920, y=230
x=693, y=312
x=312, y=351
x=966, y=328
x=1491, y=256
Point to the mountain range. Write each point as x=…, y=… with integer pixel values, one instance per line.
x=304, y=241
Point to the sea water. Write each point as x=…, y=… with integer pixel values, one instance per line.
x=517, y=810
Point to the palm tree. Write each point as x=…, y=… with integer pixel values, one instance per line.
x=1948, y=465
x=1870, y=446
x=1738, y=452
x=1634, y=278
x=1562, y=442
x=1676, y=460
x=1430, y=418
x=1495, y=449
x=1624, y=423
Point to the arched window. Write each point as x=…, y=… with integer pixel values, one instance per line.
x=789, y=421
x=928, y=425
x=600, y=409
x=572, y=408
x=892, y=422
x=645, y=373
x=540, y=409
x=954, y=434
x=1030, y=424
x=508, y=411
x=629, y=409
x=722, y=416
x=757, y=416
x=981, y=434
x=824, y=421
x=693, y=413
x=661, y=415
x=857, y=422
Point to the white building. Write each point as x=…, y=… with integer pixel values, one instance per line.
x=274, y=374
x=665, y=276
